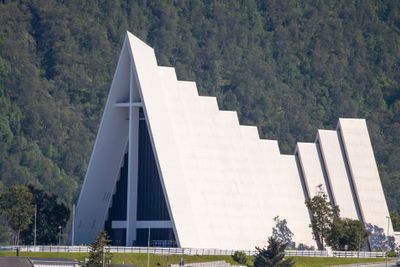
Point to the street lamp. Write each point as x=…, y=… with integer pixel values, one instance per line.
x=59, y=235
x=387, y=238
x=359, y=247
x=34, y=231
x=148, y=248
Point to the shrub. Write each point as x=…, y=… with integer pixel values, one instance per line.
x=240, y=257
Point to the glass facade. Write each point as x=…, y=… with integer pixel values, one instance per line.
x=151, y=204
x=159, y=237
x=117, y=210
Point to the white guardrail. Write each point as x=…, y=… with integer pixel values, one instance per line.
x=195, y=251
x=154, y=250
x=356, y=254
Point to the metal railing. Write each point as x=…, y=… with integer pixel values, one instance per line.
x=204, y=264
x=120, y=249
x=195, y=251
x=307, y=253
x=358, y=254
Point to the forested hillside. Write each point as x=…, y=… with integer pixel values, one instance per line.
x=288, y=67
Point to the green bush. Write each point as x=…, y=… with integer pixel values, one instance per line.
x=240, y=257
x=392, y=254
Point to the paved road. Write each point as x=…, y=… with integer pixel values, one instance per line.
x=381, y=264
x=390, y=264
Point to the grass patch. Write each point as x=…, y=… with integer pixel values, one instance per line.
x=163, y=260
x=138, y=259
x=329, y=261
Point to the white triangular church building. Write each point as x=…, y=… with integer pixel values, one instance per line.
x=169, y=162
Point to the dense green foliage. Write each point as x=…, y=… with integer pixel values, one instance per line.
x=288, y=67
x=17, y=213
x=395, y=217
x=240, y=257
x=51, y=213
x=347, y=234
x=16, y=207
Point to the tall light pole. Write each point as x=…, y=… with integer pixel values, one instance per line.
x=148, y=248
x=359, y=248
x=73, y=225
x=387, y=238
x=59, y=235
x=34, y=233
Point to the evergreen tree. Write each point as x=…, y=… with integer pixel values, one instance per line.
x=99, y=251
x=273, y=255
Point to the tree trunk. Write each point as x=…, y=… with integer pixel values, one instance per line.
x=17, y=238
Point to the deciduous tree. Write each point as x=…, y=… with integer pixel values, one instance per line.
x=282, y=232
x=16, y=205
x=52, y=212
x=347, y=232
x=379, y=241
x=323, y=214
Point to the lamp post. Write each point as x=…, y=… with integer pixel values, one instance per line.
x=359, y=248
x=34, y=231
x=73, y=225
x=148, y=248
x=387, y=238
x=59, y=235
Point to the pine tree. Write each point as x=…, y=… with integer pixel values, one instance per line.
x=273, y=255
x=99, y=252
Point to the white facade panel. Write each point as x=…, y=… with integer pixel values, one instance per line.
x=364, y=171
x=311, y=167
x=228, y=117
x=271, y=146
x=341, y=184
x=285, y=185
x=159, y=111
